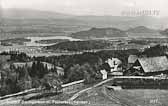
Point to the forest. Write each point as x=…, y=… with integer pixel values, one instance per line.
x=76, y=67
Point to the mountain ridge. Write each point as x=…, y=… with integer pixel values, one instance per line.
x=32, y=14
x=99, y=33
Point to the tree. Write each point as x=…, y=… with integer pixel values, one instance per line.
x=8, y=81
x=89, y=73
x=74, y=73
x=51, y=80
x=25, y=81
x=157, y=50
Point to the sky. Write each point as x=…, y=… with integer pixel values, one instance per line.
x=90, y=7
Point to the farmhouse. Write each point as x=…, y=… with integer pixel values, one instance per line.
x=104, y=74
x=113, y=66
x=148, y=66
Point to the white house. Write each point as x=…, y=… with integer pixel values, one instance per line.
x=115, y=64
x=104, y=74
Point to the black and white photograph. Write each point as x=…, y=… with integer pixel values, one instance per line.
x=83, y=52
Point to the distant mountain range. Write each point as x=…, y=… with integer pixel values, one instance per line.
x=16, y=21
x=122, y=22
x=164, y=32
x=140, y=31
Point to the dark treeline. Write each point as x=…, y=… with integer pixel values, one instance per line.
x=157, y=50
x=141, y=83
x=87, y=57
x=81, y=45
x=17, y=56
x=15, y=41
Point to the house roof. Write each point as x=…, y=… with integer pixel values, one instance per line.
x=132, y=59
x=154, y=64
x=114, y=62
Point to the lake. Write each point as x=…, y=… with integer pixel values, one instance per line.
x=34, y=39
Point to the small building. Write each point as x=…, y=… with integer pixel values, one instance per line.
x=148, y=66
x=104, y=74
x=60, y=71
x=115, y=64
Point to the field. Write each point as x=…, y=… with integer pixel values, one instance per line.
x=105, y=97
x=100, y=96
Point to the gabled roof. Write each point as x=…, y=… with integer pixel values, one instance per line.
x=154, y=64
x=132, y=59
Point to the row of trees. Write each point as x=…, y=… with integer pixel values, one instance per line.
x=17, y=56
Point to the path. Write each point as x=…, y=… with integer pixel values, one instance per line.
x=84, y=90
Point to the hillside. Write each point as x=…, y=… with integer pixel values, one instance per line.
x=125, y=22
x=99, y=33
x=164, y=32
x=141, y=29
